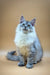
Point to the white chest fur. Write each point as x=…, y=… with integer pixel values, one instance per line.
x=22, y=39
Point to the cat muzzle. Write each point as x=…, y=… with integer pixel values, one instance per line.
x=25, y=29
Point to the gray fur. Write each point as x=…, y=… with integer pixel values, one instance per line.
x=12, y=57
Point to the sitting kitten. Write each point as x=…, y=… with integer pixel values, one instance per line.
x=28, y=44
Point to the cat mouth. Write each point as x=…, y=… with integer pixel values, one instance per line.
x=25, y=30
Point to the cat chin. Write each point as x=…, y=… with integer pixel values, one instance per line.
x=25, y=31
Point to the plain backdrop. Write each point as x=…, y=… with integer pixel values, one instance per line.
x=10, y=13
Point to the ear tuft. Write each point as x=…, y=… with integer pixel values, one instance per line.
x=33, y=21
x=22, y=19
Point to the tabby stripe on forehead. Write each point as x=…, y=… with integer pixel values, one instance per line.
x=27, y=22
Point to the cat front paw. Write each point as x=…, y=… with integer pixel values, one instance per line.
x=29, y=66
x=21, y=64
x=35, y=62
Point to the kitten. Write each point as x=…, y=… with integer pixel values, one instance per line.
x=28, y=44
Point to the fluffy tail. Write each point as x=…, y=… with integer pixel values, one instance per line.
x=12, y=57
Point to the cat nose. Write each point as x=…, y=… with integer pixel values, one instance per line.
x=25, y=27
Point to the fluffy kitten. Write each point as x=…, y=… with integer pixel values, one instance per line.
x=28, y=44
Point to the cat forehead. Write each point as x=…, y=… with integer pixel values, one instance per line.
x=26, y=22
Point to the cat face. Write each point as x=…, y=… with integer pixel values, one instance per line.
x=26, y=26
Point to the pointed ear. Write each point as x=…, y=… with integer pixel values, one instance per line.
x=22, y=19
x=33, y=21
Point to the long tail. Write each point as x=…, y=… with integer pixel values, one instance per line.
x=12, y=57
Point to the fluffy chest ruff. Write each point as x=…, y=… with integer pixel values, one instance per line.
x=23, y=41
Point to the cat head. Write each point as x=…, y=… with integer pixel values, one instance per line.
x=27, y=26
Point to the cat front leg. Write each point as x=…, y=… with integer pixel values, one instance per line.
x=30, y=60
x=22, y=61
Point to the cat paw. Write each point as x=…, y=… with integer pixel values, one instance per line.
x=35, y=62
x=29, y=66
x=20, y=64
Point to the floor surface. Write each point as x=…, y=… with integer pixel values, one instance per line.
x=10, y=67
